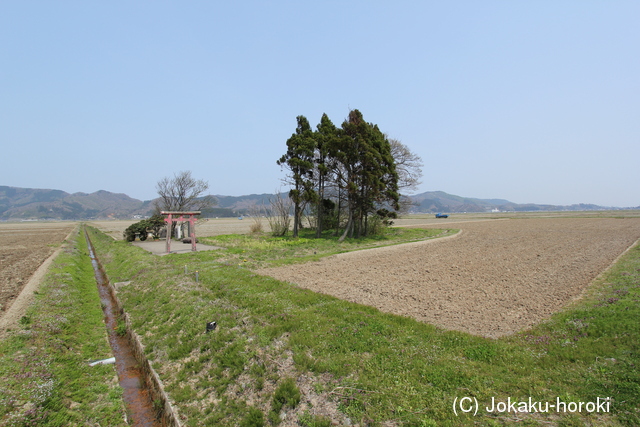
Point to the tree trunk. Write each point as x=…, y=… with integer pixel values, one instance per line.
x=348, y=227
x=320, y=208
x=296, y=219
x=338, y=213
x=366, y=225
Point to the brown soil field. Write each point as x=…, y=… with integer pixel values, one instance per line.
x=23, y=247
x=494, y=278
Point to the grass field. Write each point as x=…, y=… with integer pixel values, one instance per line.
x=44, y=376
x=285, y=355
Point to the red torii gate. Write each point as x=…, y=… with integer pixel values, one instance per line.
x=184, y=217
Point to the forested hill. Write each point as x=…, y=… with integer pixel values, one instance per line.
x=34, y=203
x=30, y=203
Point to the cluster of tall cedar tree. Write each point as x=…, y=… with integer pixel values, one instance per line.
x=352, y=165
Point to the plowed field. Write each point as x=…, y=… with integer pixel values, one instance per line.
x=493, y=279
x=23, y=247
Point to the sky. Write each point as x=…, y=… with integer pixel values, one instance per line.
x=533, y=102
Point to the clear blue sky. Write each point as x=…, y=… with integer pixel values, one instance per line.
x=534, y=102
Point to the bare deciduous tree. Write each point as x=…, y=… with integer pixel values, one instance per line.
x=408, y=166
x=183, y=193
x=279, y=219
x=409, y=169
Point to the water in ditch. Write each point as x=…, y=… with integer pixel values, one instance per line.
x=135, y=393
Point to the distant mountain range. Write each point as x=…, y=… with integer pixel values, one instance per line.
x=439, y=201
x=29, y=203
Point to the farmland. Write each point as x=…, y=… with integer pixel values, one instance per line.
x=501, y=274
x=493, y=279
x=23, y=247
x=205, y=227
x=219, y=226
x=353, y=364
x=51, y=331
x=510, y=306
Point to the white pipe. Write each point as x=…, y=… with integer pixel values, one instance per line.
x=108, y=361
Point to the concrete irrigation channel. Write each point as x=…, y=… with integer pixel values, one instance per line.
x=147, y=403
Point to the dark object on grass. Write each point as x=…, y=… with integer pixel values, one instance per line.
x=211, y=326
x=188, y=240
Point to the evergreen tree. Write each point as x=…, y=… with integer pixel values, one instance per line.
x=371, y=178
x=299, y=159
x=356, y=161
x=326, y=137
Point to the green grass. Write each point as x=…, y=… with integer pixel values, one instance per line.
x=265, y=250
x=286, y=394
x=44, y=376
x=371, y=367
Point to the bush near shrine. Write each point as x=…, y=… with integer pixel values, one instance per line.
x=142, y=228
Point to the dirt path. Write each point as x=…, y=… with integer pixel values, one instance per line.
x=494, y=279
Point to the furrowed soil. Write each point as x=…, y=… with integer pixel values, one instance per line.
x=23, y=247
x=494, y=278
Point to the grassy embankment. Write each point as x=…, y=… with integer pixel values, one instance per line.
x=281, y=351
x=44, y=376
